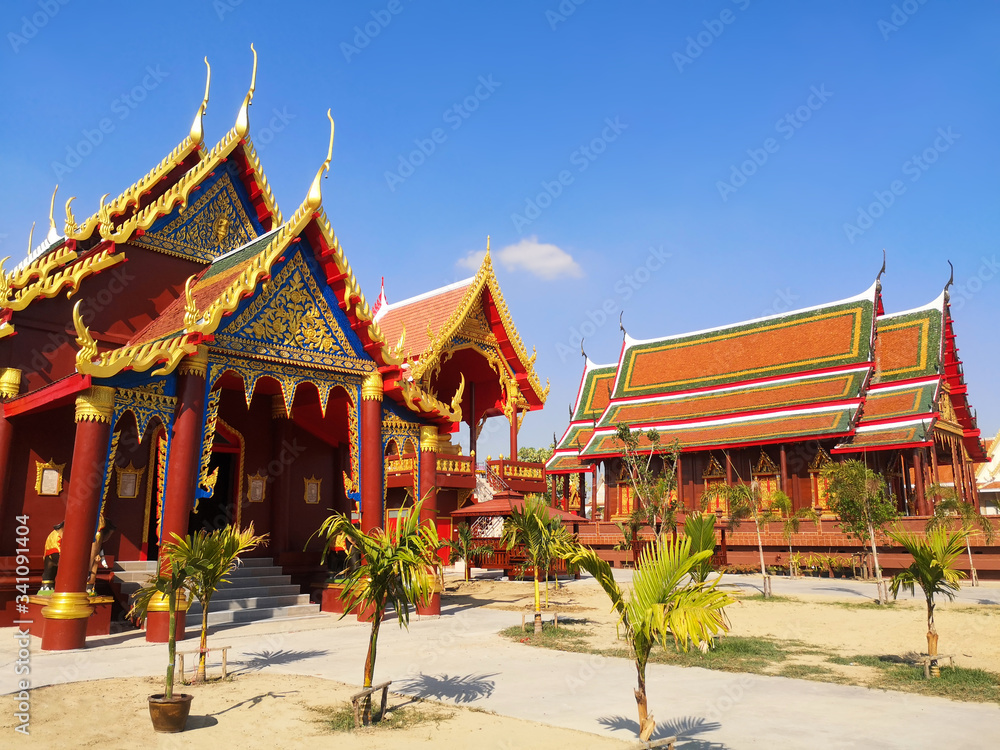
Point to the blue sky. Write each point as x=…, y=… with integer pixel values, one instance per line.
x=689, y=164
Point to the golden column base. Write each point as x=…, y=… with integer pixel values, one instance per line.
x=160, y=603
x=68, y=605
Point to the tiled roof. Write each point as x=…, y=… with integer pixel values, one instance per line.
x=769, y=428
x=431, y=310
x=908, y=344
x=780, y=394
x=808, y=340
x=895, y=435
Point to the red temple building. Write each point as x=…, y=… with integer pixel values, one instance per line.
x=776, y=399
x=187, y=358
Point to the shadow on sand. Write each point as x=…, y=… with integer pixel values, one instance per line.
x=465, y=689
x=682, y=728
x=256, y=661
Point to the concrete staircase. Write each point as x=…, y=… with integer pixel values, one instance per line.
x=257, y=590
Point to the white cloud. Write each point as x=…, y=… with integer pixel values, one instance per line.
x=541, y=259
x=472, y=261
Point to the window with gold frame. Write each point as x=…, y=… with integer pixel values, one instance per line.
x=767, y=475
x=714, y=476
x=312, y=490
x=818, y=484
x=128, y=480
x=256, y=487
x=49, y=478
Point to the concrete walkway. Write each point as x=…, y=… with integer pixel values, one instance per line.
x=459, y=658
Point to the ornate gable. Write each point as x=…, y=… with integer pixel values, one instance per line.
x=765, y=466
x=714, y=470
x=213, y=225
x=290, y=320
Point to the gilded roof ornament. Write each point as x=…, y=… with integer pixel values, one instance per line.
x=88, y=347
x=197, y=134
x=191, y=313
x=53, y=235
x=243, y=118
x=315, y=196
x=31, y=234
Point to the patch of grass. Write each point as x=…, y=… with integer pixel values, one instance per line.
x=809, y=672
x=958, y=683
x=760, y=598
x=861, y=605
x=560, y=639
x=341, y=719
x=730, y=654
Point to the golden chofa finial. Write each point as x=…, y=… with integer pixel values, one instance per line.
x=314, y=199
x=31, y=235
x=243, y=119
x=197, y=134
x=53, y=235
x=70, y=219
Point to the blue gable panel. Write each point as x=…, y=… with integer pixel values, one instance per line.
x=295, y=318
x=219, y=218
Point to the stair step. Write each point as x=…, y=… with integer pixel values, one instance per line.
x=243, y=582
x=228, y=593
x=252, y=615
x=135, y=565
x=250, y=602
x=255, y=571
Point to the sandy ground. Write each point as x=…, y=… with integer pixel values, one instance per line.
x=840, y=627
x=262, y=711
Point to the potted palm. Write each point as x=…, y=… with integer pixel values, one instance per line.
x=220, y=548
x=169, y=712
x=465, y=547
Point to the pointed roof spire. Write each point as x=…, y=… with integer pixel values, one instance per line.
x=315, y=196
x=197, y=133
x=31, y=235
x=881, y=270
x=53, y=234
x=381, y=306
x=243, y=118
x=951, y=280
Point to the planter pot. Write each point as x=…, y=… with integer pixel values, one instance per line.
x=170, y=715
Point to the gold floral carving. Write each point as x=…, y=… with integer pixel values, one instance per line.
x=220, y=224
x=10, y=382
x=96, y=404
x=371, y=387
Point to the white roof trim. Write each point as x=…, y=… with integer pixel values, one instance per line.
x=868, y=294
x=891, y=425
x=432, y=293
x=936, y=304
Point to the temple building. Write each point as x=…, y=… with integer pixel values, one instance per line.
x=187, y=358
x=774, y=400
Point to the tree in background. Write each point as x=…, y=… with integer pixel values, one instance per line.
x=748, y=502
x=932, y=571
x=970, y=520
x=535, y=455
x=664, y=603
x=465, y=547
x=529, y=527
x=653, y=486
x=790, y=522
x=861, y=499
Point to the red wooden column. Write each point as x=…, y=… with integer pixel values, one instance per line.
x=583, y=494
x=923, y=507
x=565, y=500
x=553, y=501
x=680, y=484
x=429, y=510
x=281, y=490
x=10, y=387
x=183, y=465
x=784, y=470
x=729, y=469
x=371, y=453
x=593, y=493
x=69, y=608
x=513, y=436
